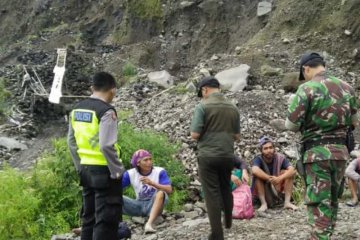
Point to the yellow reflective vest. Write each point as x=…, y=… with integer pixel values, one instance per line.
x=85, y=123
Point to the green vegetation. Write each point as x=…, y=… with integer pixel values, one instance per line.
x=47, y=200
x=4, y=96
x=57, y=28
x=119, y=36
x=56, y=184
x=35, y=205
x=179, y=89
x=299, y=187
x=31, y=37
x=124, y=114
x=128, y=74
x=162, y=151
x=148, y=12
x=298, y=190
x=129, y=70
x=18, y=207
x=146, y=9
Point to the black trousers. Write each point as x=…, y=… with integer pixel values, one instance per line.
x=102, y=203
x=215, y=177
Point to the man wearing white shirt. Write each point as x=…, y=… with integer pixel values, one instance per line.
x=152, y=186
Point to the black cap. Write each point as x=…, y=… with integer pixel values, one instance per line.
x=309, y=59
x=209, y=81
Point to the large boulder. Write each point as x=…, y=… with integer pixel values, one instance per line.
x=269, y=71
x=185, y=4
x=210, y=7
x=234, y=79
x=291, y=82
x=12, y=144
x=278, y=124
x=191, y=87
x=264, y=8
x=163, y=78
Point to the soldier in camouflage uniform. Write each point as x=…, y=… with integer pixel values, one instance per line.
x=323, y=108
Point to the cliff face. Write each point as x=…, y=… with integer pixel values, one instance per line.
x=178, y=34
x=184, y=38
x=181, y=37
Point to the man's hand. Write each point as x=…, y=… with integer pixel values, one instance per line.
x=235, y=180
x=146, y=180
x=195, y=135
x=275, y=180
x=245, y=176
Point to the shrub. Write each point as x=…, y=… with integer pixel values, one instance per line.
x=56, y=183
x=18, y=206
x=129, y=70
x=298, y=190
x=179, y=89
x=176, y=200
x=47, y=201
x=299, y=186
x=4, y=96
x=52, y=197
x=146, y=9
x=163, y=153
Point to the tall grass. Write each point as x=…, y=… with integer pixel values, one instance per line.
x=162, y=152
x=4, y=96
x=45, y=201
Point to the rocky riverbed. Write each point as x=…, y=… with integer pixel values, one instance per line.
x=275, y=224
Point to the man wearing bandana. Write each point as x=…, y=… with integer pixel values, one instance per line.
x=273, y=176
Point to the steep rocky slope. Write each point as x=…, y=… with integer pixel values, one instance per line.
x=184, y=38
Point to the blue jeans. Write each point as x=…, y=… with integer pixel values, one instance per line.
x=133, y=207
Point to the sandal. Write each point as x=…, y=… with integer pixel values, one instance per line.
x=351, y=204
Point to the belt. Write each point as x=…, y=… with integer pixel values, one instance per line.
x=311, y=144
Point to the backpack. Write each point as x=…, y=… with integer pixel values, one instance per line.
x=243, y=207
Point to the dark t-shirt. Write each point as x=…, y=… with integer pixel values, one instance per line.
x=257, y=162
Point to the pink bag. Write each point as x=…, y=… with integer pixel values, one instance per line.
x=243, y=207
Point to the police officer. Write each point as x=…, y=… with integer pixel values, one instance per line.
x=323, y=109
x=215, y=125
x=92, y=140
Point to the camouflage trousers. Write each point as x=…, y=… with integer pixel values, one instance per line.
x=323, y=181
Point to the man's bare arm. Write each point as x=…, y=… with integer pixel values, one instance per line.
x=257, y=172
x=195, y=135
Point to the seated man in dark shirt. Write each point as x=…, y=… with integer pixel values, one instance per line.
x=273, y=171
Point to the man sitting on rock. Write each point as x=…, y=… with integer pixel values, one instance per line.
x=151, y=185
x=273, y=175
x=353, y=173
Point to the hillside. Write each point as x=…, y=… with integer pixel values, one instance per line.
x=188, y=39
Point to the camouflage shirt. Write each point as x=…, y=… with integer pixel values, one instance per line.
x=323, y=108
